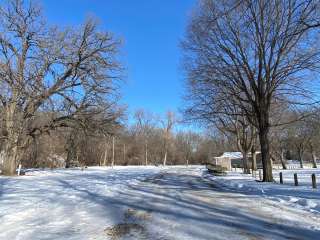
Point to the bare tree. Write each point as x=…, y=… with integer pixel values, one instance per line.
x=167, y=127
x=313, y=130
x=144, y=125
x=67, y=75
x=279, y=144
x=254, y=51
x=187, y=143
x=105, y=152
x=244, y=133
x=299, y=137
x=254, y=152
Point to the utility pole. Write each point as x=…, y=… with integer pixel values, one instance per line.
x=105, y=154
x=124, y=153
x=146, y=148
x=113, y=140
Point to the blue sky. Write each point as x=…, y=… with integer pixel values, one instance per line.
x=151, y=30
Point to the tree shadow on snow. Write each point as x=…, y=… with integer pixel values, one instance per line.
x=164, y=196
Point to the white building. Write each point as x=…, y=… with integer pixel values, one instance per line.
x=231, y=159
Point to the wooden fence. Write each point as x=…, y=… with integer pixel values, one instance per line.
x=258, y=174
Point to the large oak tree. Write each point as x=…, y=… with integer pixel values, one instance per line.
x=256, y=52
x=65, y=76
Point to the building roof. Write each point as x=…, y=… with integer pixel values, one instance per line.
x=231, y=155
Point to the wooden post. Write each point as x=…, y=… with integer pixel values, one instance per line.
x=295, y=175
x=281, y=179
x=260, y=175
x=314, y=181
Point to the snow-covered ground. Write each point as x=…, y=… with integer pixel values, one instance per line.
x=302, y=196
x=152, y=203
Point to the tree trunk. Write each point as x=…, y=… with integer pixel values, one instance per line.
x=165, y=158
x=71, y=153
x=254, y=159
x=35, y=151
x=265, y=154
x=246, y=169
x=11, y=150
x=105, y=155
x=10, y=160
x=283, y=163
x=187, y=158
x=14, y=150
x=314, y=159
x=124, y=153
x=300, y=153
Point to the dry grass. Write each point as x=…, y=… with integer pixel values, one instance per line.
x=124, y=229
x=130, y=228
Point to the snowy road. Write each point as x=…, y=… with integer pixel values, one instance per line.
x=142, y=203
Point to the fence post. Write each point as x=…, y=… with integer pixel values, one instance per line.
x=295, y=175
x=260, y=175
x=314, y=181
x=281, y=179
x=19, y=169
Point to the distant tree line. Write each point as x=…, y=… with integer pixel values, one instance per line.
x=149, y=140
x=252, y=77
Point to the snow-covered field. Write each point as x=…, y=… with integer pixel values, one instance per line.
x=302, y=196
x=154, y=203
